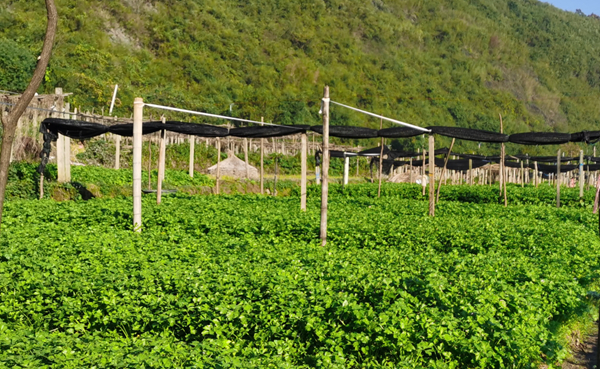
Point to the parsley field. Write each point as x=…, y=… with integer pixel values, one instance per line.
x=242, y=282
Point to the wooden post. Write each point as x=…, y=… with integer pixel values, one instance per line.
x=380, y=160
x=437, y=197
x=67, y=151
x=262, y=162
x=192, y=154
x=431, y=175
x=423, y=171
x=218, y=177
x=357, y=166
x=276, y=173
x=117, y=151
x=161, y=164
x=558, y=179
x=346, y=169
x=410, y=167
x=138, y=116
x=304, y=167
x=470, y=170
x=581, y=174
x=325, y=185
x=246, y=158
x=522, y=175
x=502, y=174
x=150, y=162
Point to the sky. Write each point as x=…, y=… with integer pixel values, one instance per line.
x=586, y=6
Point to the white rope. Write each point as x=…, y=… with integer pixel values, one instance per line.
x=211, y=115
x=384, y=118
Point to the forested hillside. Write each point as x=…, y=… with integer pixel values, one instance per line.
x=428, y=62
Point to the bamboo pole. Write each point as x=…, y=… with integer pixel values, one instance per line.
x=117, y=151
x=470, y=170
x=380, y=160
x=346, y=169
x=558, y=160
x=150, y=163
x=304, y=158
x=325, y=185
x=161, y=163
x=522, y=175
x=246, y=158
x=423, y=171
x=262, y=162
x=275, y=176
x=138, y=114
x=581, y=174
x=502, y=174
x=431, y=175
x=192, y=154
x=437, y=197
x=218, y=177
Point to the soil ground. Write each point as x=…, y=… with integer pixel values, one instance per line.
x=584, y=352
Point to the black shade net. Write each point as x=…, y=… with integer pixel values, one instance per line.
x=540, y=138
x=585, y=136
x=399, y=132
x=347, y=131
x=548, y=169
x=267, y=131
x=469, y=134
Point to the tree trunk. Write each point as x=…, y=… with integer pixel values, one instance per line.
x=9, y=122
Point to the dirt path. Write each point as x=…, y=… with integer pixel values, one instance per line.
x=584, y=353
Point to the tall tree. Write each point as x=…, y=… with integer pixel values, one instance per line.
x=9, y=122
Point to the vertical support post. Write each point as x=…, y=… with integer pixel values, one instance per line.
x=346, y=169
x=437, y=197
x=522, y=175
x=218, y=177
x=150, y=161
x=423, y=171
x=246, y=158
x=192, y=154
x=470, y=171
x=67, y=151
x=410, y=167
x=262, y=162
x=138, y=116
x=581, y=174
x=502, y=174
x=357, y=166
x=380, y=160
x=117, y=150
x=303, y=170
x=536, y=178
x=325, y=185
x=161, y=164
x=275, y=177
x=60, y=158
x=558, y=179
x=431, y=175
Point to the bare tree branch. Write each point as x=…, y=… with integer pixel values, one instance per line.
x=9, y=123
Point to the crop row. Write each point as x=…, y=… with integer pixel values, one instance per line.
x=241, y=281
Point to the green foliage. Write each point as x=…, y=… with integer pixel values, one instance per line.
x=242, y=282
x=16, y=66
x=437, y=62
x=23, y=180
x=544, y=195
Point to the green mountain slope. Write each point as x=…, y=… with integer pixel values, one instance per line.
x=434, y=62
